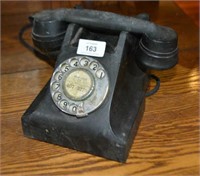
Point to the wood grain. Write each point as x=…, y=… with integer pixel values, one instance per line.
x=191, y=9
x=167, y=142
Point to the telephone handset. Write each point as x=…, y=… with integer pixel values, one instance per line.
x=95, y=98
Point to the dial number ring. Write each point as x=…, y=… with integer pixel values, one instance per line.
x=79, y=85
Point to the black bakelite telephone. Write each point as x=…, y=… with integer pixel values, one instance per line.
x=95, y=98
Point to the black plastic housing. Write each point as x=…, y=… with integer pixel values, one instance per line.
x=109, y=131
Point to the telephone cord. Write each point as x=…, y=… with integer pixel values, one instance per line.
x=157, y=86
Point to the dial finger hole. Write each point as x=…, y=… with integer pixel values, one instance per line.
x=94, y=66
x=84, y=62
x=65, y=67
x=74, y=63
x=57, y=96
x=100, y=73
x=63, y=104
x=58, y=76
x=55, y=86
x=73, y=108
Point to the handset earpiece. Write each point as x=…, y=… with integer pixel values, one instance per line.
x=48, y=34
x=156, y=51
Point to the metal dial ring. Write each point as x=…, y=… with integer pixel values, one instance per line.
x=79, y=85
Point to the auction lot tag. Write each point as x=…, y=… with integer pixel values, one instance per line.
x=91, y=48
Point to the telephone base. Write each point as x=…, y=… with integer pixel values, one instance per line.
x=104, y=145
x=109, y=130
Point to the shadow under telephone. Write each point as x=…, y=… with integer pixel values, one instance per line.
x=95, y=98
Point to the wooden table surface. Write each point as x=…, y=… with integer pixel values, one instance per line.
x=167, y=142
